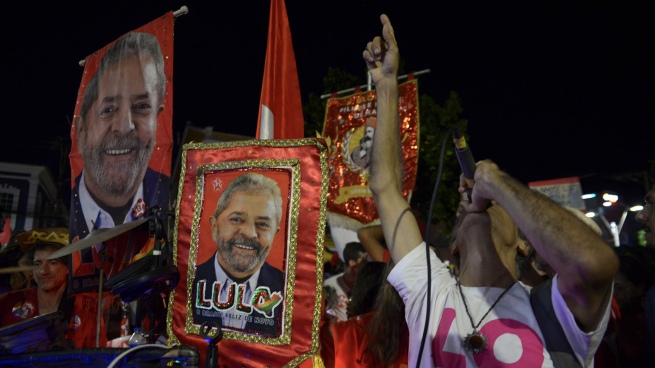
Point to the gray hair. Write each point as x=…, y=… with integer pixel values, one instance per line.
x=130, y=45
x=251, y=182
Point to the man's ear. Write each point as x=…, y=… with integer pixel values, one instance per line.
x=213, y=225
x=276, y=231
x=523, y=248
x=79, y=123
x=160, y=109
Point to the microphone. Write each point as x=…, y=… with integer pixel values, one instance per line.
x=465, y=158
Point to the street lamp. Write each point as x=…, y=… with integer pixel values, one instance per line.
x=609, y=200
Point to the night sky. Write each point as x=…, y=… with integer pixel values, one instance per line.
x=550, y=89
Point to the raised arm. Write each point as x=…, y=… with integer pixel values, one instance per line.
x=372, y=239
x=585, y=264
x=401, y=231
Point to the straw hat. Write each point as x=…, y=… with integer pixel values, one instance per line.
x=27, y=239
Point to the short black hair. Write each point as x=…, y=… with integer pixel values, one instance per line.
x=353, y=251
x=45, y=245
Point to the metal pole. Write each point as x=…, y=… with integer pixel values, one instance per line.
x=181, y=11
x=103, y=256
x=369, y=85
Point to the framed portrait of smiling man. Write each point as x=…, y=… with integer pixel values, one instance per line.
x=250, y=224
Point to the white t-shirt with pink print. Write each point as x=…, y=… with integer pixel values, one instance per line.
x=513, y=336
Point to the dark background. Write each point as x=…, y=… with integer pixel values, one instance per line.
x=550, y=89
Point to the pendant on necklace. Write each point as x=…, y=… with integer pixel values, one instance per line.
x=475, y=342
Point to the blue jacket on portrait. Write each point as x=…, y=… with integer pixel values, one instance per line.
x=268, y=276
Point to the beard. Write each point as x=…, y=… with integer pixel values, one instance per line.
x=245, y=263
x=117, y=179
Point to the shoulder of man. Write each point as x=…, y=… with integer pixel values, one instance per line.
x=271, y=277
x=78, y=178
x=152, y=177
x=207, y=267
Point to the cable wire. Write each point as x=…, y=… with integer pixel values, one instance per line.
x=427, y=248
x=131, y=350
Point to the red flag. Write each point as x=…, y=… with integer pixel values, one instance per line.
x=349, y=129
x=280, y=108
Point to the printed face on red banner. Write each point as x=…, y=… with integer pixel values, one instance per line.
x=240, y=275
x=349, y=130
x=121, y=142
x=248, y=245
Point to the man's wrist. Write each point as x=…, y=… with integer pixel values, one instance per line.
x=387, y=83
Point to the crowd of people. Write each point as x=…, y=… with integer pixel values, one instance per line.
x=525, y=282
x=521, y=281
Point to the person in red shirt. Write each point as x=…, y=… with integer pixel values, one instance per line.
x=79, y=312
x=376, y=334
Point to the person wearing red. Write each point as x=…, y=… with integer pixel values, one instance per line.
x=376, y=334
x=79, y=312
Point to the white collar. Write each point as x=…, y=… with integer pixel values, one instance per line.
x=222, y=276
x=92, y=211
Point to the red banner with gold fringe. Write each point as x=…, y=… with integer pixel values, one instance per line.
x=278, y=189
x=349, y=131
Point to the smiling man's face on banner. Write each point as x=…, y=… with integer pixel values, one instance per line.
x=120, y=129
x=244, y=231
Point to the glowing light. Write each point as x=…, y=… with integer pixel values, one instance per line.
x=610, y=197
x=588, y=196
x=607, y=204
x=636, y=208
x=590, y=214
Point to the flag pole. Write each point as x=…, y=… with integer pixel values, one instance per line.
x=368, y=85
x=179, y=12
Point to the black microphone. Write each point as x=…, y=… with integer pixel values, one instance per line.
x=465, y=158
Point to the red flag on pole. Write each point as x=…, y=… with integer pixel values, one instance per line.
x=280, y=108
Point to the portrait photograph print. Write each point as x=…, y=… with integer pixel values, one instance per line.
x=241, y=251
x=250, y=223
x=121, y=137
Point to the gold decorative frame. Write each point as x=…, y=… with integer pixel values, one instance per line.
x=304, y=211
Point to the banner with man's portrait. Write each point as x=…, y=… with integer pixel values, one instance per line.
x=349, y=131
x=248, y=243
x=121, y=136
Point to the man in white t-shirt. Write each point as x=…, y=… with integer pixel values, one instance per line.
x=480, y=315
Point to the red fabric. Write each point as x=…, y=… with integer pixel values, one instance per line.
x=350, y=344
x=160, y=160
x=162, y=156
x=20, y=305
x=624, y=336
x=5, y=235
x=82, y=328
x=203, y=180
x=605, y=356
x=347, y=120
x=327, y=343
x=280, y=100
x=386, y=256
x=630, y=337
x=335, y=259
